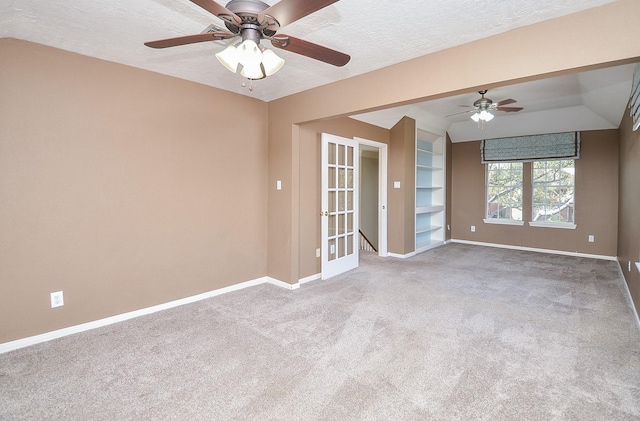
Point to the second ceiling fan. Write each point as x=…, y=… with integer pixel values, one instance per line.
x=482, y=108
x=252, y=21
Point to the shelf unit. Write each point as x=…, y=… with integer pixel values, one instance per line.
x=430, y=189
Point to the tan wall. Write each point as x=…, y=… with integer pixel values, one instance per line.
x=309, y=175
x=448, y=181
x=557, y=46
x=629, y=207
x=121, y=187
x=401, y=202
x=596, y=201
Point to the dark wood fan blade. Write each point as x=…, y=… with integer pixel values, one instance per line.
x=509, y=109
x=287, y=11
x=189, y=39
x=309, y=49
x=218, y=10
x=461, y=112
x=505, y=102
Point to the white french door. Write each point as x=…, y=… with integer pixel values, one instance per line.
x=339, y=212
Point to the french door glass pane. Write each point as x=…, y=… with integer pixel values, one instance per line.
x=332, y=154
x=332, y=225
x=332, y=178
x=332, y=201
x=332, y=249
x=341, y=178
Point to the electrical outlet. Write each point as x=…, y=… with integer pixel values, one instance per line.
x=592, y=238
x=448, y=227
x=57, y=299
x=473, y=228
x=317, y=252
x=629, y=269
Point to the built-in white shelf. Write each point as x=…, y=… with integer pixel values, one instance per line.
x=430, y=188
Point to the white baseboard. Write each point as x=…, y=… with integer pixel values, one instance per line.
x=44, y=337
x=402, y=256
x=310, y=278
x=537, y=250
x=626, y=287
x=281, y=284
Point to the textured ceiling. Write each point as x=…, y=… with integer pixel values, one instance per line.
x=375, y=34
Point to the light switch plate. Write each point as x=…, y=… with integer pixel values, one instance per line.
x=396, y=184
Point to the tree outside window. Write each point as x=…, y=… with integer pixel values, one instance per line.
x=504, y=190
x=554, y=191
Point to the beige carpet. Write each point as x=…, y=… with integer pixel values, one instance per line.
x=456, y=333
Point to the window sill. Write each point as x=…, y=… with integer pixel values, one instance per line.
x=498, y=221
x=563, y=225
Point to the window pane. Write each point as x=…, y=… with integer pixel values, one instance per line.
x=554, y=191
x=504, y=190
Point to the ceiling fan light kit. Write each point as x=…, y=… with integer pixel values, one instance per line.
x=253, y=20
x=483, y=115
x=482, y=109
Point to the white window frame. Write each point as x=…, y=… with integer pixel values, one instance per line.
x=553, y=224
x=503, y=221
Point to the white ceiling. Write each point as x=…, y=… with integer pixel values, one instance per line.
x=375, y=33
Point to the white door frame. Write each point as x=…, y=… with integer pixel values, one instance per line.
x=382, y=191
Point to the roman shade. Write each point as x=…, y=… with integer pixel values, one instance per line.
x=531, y=148
x=634, y=100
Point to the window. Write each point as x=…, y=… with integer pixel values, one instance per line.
x=553, y=191
x=504, y=192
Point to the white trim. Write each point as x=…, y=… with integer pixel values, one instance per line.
x=282, y=284
x=537, y=250
x=545, y=224
x=402, y=256
x=310, y=278
x=382, y=191
x=48, y=336
x=626, y=287
x=499, y=221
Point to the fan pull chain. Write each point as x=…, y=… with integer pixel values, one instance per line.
x=244, y=84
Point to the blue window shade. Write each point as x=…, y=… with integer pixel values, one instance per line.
x=634, y=100
x=531, y=148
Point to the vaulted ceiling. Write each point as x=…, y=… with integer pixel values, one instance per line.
x=375, y=35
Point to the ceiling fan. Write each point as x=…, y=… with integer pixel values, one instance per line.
x=482, y=108
x=252, y=21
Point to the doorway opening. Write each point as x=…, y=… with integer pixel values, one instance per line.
x=372, y=199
